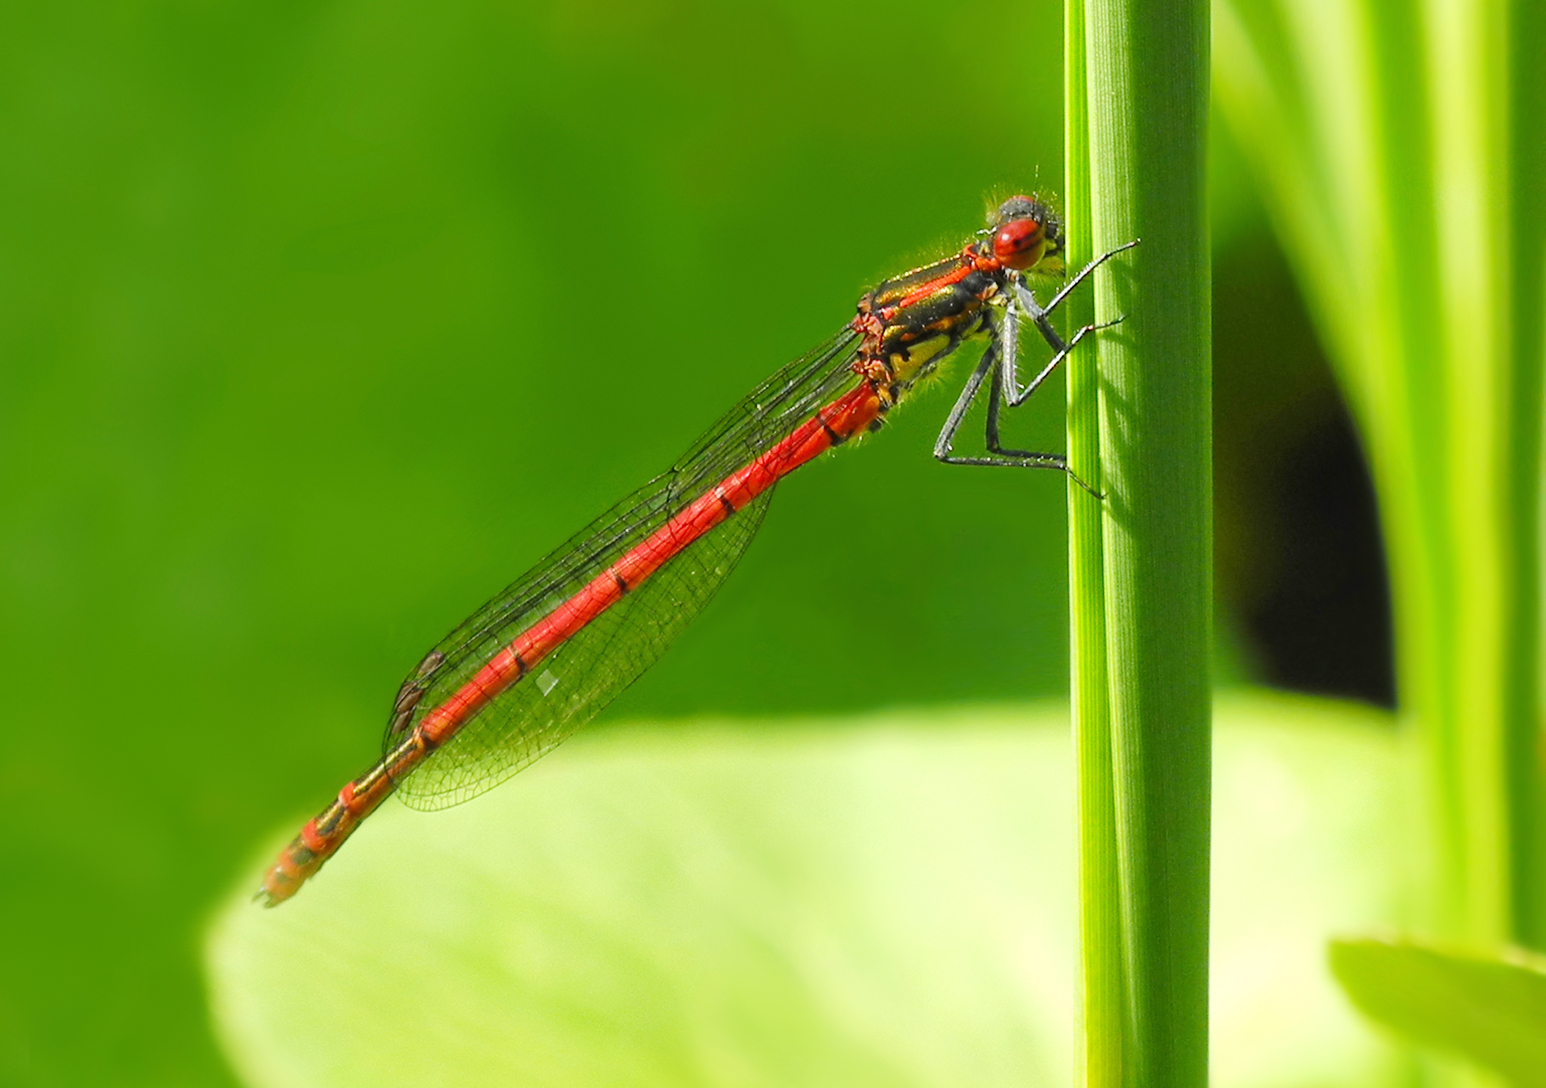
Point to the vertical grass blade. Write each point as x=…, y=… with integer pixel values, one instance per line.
x=1102, y=988
x=1466, y=744
x=1400, y=151
x=1147, y=99
x=1525, y=45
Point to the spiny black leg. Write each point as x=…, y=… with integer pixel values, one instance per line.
x=995, y=400
x=1084, y=273
x=1039, y=314
x=1009, y=340
x=1017, y=397
x=1028, y=458
x=1000, y=359
x=963, y=404
x=1000, y=457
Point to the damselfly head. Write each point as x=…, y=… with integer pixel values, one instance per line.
x=1025, y=232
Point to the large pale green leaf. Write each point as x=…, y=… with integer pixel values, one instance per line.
x=1493, y=1011
x=886, y=901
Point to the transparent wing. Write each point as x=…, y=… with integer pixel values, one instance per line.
x=574, y=682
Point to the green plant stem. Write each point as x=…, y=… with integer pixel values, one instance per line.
x=1141, y=560
x=1526, y=43
x=1464, y=737
x=1103, y=998
x=1147, y=102
x=1400, y=146
x=1482, y=758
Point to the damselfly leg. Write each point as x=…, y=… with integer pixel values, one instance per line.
x=999, y=360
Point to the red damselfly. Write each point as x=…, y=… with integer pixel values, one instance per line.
x=538, y=661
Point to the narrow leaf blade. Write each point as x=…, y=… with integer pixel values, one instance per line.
x=1492, y=1011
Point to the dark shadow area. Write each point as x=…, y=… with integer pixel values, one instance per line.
x=1299, y=556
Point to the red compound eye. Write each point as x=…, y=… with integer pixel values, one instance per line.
x=1019, y=243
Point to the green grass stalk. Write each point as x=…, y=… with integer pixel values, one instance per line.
x=1466, y=742
x=1525, y=45
x=1146, y=93
x=1400, y=152
x=1103, y=996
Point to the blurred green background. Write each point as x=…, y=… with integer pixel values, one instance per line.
x=320, y=322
